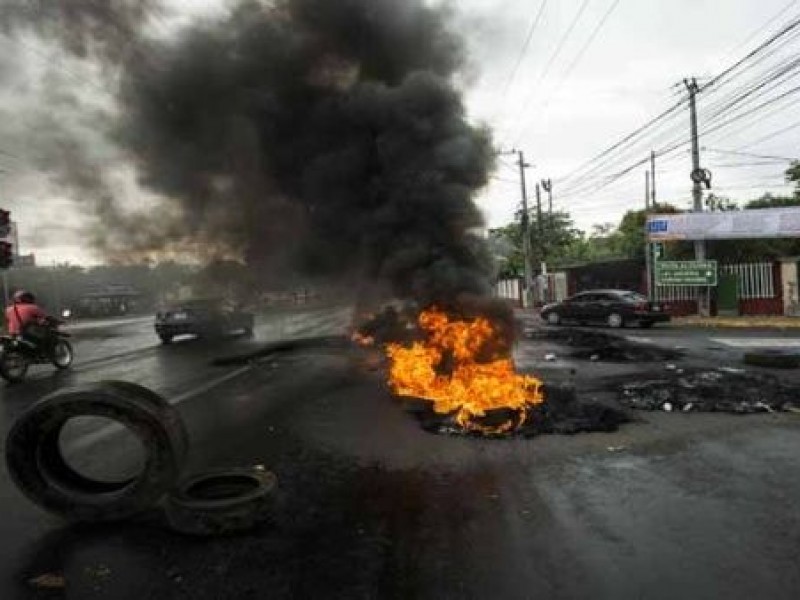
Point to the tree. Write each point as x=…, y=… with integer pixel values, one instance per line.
x=555, y=239
x=629, y=238
x=770, y=201
x=793, y=176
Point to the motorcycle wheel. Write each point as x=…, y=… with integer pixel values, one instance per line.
x=13, y=366
x=63, y=354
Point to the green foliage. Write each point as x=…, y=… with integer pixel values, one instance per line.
x=629, y=239
x=793, y=175
x=770, y=201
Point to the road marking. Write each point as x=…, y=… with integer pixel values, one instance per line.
x=209, y=385
x=640, y=340
x=92, y=438
x=84, y=325
x=758, y=342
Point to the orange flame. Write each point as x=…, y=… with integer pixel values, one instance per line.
x=469, y=388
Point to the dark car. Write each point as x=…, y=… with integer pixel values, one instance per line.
x=615, y=308
x=203, y=318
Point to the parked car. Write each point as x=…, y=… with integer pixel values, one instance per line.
x=615, y=308
x=203, y=318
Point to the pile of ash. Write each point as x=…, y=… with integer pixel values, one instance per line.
x=595, y=345
x=721, y=390
x=561, y=413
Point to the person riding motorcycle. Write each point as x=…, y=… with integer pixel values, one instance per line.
x=27, y=320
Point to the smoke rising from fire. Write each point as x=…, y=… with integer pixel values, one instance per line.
x=325, y=137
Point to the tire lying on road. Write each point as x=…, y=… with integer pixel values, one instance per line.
x=221, y=502
x=37, y=466
x=775, y=358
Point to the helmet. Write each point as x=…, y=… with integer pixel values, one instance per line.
x=24, y=297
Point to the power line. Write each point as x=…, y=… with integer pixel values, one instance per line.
x=737, y=118
x=750, y=154
x=769, y=22
x=763, y=163
x=577, y=59
x=524, y=50
x=603, y=156
x=715, y=127
x=772, y=135
x=564, y=38
x=559, y=46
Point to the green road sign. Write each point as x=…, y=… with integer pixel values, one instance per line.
x=690, y=272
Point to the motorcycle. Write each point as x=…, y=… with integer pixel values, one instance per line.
x=17, y=354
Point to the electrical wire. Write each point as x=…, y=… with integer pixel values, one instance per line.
x=717, y=80
x=772, y=135
x=590, y=40
x=556, y=53
x=750, y=154
x=524, y=50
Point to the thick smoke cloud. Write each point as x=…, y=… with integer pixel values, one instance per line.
x=331, y=128
x=325, y=137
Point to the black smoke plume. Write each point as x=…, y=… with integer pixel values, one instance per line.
x=326, y=137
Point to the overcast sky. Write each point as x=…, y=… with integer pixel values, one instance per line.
x=592, y=72
x=564, y=104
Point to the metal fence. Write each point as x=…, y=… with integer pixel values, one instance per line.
x=508, y=289
x=756, y=280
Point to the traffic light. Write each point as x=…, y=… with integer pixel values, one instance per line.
x=6, y=255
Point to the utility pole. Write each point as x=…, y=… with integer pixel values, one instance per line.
x=543, y=246
x=698, y=177
x=648, y=250
x=653, y=179
x=547, y=186
x=526, y=230
x=540, y=220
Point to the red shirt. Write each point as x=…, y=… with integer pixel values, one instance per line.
x=27, y=314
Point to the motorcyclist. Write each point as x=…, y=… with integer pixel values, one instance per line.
x=24, y=315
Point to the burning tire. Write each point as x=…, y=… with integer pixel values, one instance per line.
x=38, y=467
x=221, y=502
x=776, y=359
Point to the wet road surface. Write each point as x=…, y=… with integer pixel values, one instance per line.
x=370, y=506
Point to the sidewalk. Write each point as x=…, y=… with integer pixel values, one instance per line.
x=738, y=322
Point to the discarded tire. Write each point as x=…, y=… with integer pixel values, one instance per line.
x=37, y=466
x=777, y=359
x=221, y=502
x=150, y=400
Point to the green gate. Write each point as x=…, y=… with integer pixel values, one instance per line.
x=728, y=295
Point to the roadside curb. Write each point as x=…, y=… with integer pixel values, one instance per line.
x=765, y=323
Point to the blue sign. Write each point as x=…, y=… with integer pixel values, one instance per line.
x=657, y=226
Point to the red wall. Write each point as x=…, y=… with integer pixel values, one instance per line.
x=748, y=307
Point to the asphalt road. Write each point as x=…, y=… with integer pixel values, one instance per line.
x=371, y=506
